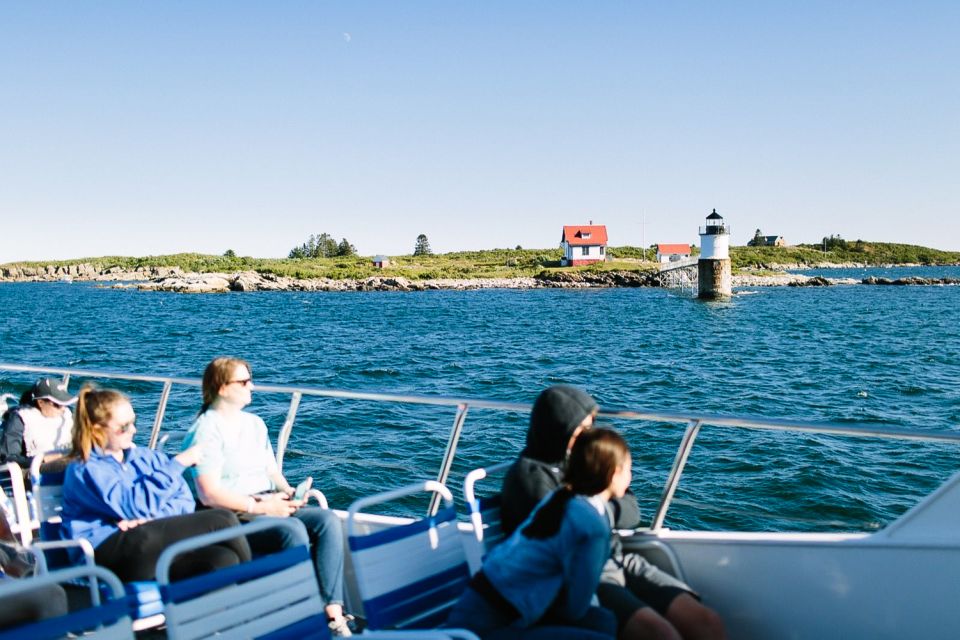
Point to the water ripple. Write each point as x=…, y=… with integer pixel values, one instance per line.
x=854, y=355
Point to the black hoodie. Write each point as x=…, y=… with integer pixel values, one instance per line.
x=556, y=414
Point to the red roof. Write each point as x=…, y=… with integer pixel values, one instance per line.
x=682, y=249
x=580, y=235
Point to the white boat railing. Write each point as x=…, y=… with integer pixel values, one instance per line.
x=694, y=421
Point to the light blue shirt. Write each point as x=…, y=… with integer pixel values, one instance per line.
x=235, y=449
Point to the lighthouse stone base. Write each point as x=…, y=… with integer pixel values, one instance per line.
x=714, y=279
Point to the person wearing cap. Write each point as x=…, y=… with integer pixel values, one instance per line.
x=648, y=602
x=41, y=422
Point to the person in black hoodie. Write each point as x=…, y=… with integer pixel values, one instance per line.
x=648, y=602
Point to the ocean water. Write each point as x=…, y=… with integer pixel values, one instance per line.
x=857, y=354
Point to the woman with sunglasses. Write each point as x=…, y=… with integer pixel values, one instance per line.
x=130, y=502
x=239, y=471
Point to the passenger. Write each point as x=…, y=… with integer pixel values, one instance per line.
x=42, y=422
x=34, y=605
x=539, y=582
x=239, y=471
x=648, y=602
x=131, y=503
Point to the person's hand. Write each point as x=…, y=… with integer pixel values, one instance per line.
x=190, y=457
x=126, y=525
x=277, y=504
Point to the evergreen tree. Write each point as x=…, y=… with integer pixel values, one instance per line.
x=326, y=246
x=758, y=240
x=322, y=246
x=422, y=247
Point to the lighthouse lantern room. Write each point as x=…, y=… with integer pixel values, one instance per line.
x=715, y=238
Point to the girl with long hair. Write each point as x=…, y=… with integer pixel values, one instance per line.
x=540, y=581
x=131, y=502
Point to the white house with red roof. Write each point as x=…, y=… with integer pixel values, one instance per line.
x=583, y=244
x=672, y=252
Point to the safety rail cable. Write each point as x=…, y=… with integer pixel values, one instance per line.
x=672, y=417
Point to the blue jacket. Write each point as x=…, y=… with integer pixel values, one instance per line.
x=102, y=491
x=530, y=573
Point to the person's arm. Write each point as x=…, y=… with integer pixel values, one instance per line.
x=11, y=440
x=213, y=494
x=626, y=511
x=524, y=486
x=584, y=562
x=149, y=495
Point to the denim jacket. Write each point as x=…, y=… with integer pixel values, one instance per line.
x=531, y=573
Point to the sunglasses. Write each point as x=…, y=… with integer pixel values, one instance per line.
x=124, y=428
x=243, y=382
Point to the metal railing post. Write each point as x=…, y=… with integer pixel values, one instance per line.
x=451, y=451
x=161, y=410
x=679, y=462
x=284, y=436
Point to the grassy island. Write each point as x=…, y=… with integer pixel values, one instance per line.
x=506, y=263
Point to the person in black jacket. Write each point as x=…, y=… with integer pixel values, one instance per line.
x=648, y=602
x=42, y=422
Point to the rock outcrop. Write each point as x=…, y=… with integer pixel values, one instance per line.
x=252, y=281
x=911, y=280
x=815, y=281
x=581, y=279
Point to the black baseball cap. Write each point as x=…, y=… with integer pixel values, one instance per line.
x=53, y=390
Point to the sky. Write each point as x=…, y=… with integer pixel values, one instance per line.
x=147, y=128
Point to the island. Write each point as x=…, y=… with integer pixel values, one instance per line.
x=493, y=268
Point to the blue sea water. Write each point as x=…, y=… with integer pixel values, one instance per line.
x=857, y=354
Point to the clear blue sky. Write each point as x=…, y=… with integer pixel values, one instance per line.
x=138, y=128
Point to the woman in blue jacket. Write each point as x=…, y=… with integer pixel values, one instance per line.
x=539, y=582
x=131, y=503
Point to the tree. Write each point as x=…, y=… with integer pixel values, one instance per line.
x=834, y=242
x=322, y=246
x=422, y=247
x=229, y=253
x=758, y=239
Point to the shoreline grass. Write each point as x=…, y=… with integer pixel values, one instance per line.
x=504, y=263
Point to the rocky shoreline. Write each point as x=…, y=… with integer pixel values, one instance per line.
x=174, y=279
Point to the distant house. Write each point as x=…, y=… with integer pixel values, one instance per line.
x=760, y=240
x=380, y=262
x=583, y=244
x=672, y=252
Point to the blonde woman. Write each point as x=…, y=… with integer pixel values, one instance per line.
x=130, y=502
x=239, y=471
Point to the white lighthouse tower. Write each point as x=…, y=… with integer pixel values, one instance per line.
x=713, y=267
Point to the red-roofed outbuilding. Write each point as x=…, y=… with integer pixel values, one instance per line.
x=583, y=244
x=672, y=252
